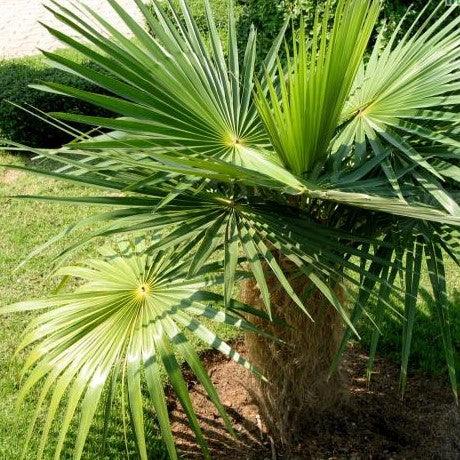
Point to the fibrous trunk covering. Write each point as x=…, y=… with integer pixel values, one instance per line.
x=297, y=370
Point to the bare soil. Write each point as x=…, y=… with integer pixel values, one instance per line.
x=372, y=423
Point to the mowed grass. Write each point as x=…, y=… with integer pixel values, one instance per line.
x=26, y=224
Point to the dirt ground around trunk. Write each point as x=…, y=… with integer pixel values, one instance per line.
x=372, y=423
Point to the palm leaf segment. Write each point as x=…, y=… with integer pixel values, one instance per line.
x=126, y=321
x=211, y=221
x=408, y=247
x=301, y=116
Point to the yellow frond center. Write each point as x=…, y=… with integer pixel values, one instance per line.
x=234, y=141
x=143, y=290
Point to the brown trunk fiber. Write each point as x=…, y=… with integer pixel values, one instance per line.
x=297, y=370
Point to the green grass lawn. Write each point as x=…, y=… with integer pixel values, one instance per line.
x=25, y=225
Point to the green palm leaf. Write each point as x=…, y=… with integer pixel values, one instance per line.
x=171, y=88
x=302, y=115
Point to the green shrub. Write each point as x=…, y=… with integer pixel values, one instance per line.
x=268, y=17
x=20, y=126
x=220, y=10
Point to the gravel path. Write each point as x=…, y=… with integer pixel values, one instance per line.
x=21, y=34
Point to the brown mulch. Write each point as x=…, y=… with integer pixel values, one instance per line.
x=373, y=423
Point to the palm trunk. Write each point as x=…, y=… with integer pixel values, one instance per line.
x=298, y=369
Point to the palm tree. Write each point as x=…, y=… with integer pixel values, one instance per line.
x=315, y=180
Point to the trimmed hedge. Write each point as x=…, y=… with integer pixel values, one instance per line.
x=20, y=126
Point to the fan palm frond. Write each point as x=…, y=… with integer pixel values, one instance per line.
x=402, y=113
x=173, y=89
x=127, y=321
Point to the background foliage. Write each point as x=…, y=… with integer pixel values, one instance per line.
x=268, y=16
